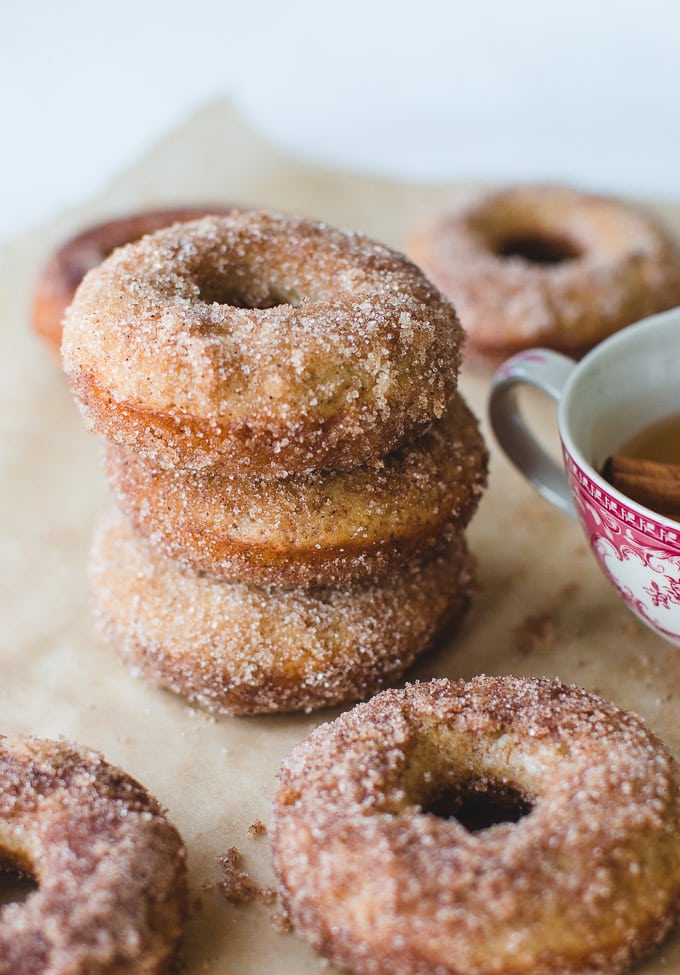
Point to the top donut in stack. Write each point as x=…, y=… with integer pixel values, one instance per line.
x=279, y=401
x=273, y=344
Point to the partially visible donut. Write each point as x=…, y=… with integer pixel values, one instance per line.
x=272, y=343
x=314, y=529
x=548, y=265
x=505, y=825
x=110, y=868
x=246, y=650
x=67, y=267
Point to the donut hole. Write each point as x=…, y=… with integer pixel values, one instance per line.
x=242, y=291
x=478, y=804
x=538, y=247
x=16, y=883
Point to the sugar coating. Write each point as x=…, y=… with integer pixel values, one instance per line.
x=240, y=649
x=110, y=867
x=310, y=529
x=585, y=882
x=626, y=266
x=275, y=343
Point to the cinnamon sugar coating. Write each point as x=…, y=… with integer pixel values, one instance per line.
x=272, y=343
x=584, y=882
x=67, y=267
x=548, y=265
x=310, y=529
x=243, y=649
x=110, y=868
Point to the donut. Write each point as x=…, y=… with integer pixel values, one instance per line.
x=60, y=277
x=245, y=650
x=310, y=529
x=548, y=265
x=505, y=825
x=271, y=343
x=110, y=869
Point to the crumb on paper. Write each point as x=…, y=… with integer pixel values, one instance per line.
x=281, y=922
x=230, y=859
x=536, y=632
x=237, y=886
x=257, y=828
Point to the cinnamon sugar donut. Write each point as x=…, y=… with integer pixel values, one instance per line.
x=271, y=343
x=506, y=825
x=246, y=650
x=548, y=265
x=110, y=868
x=67, y=267
x=310, y=529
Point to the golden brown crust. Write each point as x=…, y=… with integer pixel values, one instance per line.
x=271, y=343
x=584, y=883
x=548, y=265
x=246, y=650
x=314, y=529
x=110, y=868
x=67, y=267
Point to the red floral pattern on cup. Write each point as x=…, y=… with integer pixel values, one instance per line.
x=637, y=552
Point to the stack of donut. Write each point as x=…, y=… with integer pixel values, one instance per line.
x=292, y=462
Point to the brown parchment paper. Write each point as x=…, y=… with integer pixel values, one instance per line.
x=542, y=605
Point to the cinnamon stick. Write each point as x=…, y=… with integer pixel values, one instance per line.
x=652, y=483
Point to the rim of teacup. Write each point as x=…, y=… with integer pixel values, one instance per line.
x=631, y=333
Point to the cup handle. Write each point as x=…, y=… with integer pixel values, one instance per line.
x=548, y=371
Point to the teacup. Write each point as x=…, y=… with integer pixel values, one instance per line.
x=623, y=385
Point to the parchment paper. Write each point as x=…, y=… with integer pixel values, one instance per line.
x=542, y=605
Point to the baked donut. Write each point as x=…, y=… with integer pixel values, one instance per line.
x=506, y=825
x=548, y=265
x=67, y=267
x=310, y=529
x=271, y=343
x=246, y=650
x=110, y=868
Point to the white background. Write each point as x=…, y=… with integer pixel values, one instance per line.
x=495, y=90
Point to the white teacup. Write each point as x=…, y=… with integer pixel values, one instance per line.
x=626, y=383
